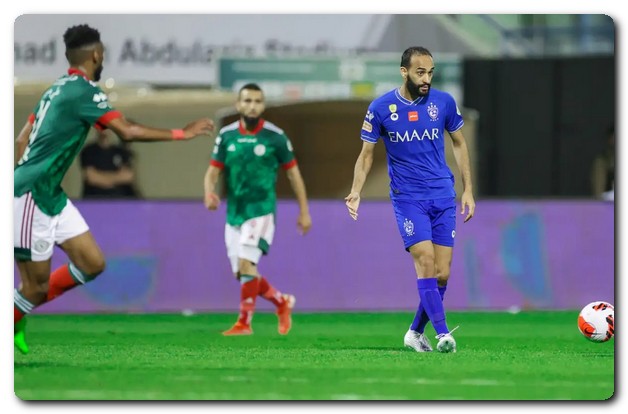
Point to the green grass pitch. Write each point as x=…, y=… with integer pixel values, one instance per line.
x=326, y=356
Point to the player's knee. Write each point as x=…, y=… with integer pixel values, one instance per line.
x=442, y=274
x=95, y=267
x=245, y=267
x=425, y=260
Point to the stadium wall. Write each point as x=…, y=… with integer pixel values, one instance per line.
x=169, y=256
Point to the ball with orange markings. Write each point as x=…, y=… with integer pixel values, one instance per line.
x=596, y=321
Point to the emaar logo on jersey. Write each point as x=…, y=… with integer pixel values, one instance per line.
x=407, y=136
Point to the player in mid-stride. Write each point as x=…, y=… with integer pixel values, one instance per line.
x=411, y=121
x=250, y=151
x=45, y=148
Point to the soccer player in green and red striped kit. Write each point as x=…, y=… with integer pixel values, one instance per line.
x=45, y=148
x=250, y=151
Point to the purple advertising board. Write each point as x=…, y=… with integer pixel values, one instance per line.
x=169, y=256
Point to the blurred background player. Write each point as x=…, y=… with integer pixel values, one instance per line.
x=250, y=151
x=45, y=148
x=107, y=168
x=411, y=121
x=603, y=170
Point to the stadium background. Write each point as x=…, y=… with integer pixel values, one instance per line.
x=537, y=93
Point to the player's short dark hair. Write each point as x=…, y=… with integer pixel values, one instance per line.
x=78, y=36
x=250, y=87
x=411, y=51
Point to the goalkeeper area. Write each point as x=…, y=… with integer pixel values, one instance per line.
x=530, y=355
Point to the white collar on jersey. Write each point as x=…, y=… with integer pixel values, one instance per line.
x=407, y=101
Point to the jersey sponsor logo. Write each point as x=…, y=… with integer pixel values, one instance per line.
x=231, y=148
x=103, y=105
x=369, y=115
x=408, y=227
x=453, y=234
x=366, y=126
x=413, y=116
x=407, y=136
x=394, y=117
x=289, y=145
x=458, y=110
x=393, y=108
x=259, y=150
x=432, y=111
x=249, y=140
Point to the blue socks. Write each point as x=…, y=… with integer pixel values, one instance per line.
x=431, y=306
x=420, y=318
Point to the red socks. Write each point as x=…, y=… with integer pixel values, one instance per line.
x=267, y=291
x=248, y=293
x=60, y=281
x=17, y=315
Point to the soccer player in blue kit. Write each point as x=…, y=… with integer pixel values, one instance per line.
x=411, y=120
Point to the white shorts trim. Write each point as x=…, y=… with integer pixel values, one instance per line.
x=38, y=232
x=243, y=242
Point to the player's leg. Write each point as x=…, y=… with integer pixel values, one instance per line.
x=247, y=305
x=283, y=302
x=424, y=263
x=86, y=263
x=415, y=228
x=443, y=218
x=30, y=294
x=33, y=243
x=86, y=258
x=442, y=257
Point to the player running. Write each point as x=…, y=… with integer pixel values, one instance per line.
x=45, y=149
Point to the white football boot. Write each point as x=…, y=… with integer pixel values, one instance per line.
x=446, y=342
x=417, y=341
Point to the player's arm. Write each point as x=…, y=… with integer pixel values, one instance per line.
x=21, y=142
x=212, y=201
x=360, y=172
x=129, y=131
x=461, y=154
x=304, y=222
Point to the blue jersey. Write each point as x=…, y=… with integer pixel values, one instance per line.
x=413, y=133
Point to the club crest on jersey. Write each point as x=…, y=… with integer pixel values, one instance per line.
x=432, y=111
x=393, y=108
x=259, y=150
x=408, y=226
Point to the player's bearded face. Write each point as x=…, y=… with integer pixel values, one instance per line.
x=251, y=106
x=98, y=58
x=415, y=88
x=98, y=72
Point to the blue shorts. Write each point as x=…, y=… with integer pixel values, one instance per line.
x=422, y=220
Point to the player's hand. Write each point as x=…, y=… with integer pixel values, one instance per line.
x=353, y=202
x=467, y=201
x=304, y=222
x=212, y=201
x=203, y=126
